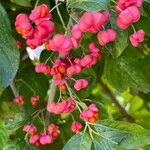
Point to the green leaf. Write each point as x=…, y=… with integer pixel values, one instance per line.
x=79, y=141
x=12, y=146
x=88, y=5
x=122, y=134
x=9, y=56
x=16, y=122
x=22, y=2
x=103, y=144
x=128, y=71
x=146, y=7
x=122, y=38
x=135, y=103
x=144, y=24
x=148, y=1
x=3, y=135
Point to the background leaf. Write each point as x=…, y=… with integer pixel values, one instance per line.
x=79, y=141
x=22, y=2
x=146, y=6
x=88, y=5
x=16, y=122
x=3, y=135
x=132, y=71
x=9, y=56
x=123, y=134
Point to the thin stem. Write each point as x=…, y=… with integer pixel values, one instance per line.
x=69, y=60
x=113, y=10
x=113, y=1
x=16, y=94
x=70, y=77
x=117, y=104
x=60, y=97
x=119, y=8
x=25, y=56
x=72, y=117
x=103, y=27
x=36, y=3
x=36, y=115
x=78, y=108
x=82, y=49
x=43, y=122
x=14, y=89
x=86, y=125
x=133, y=28
x=49, y=58
x=71, y=95
x=37, y=111
x=55, y=7
x=31, y=89
x=72, y=92
x=59, y=14
x=73, y=18
x=52, y=92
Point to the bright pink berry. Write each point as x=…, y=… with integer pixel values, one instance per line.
x=93, y=21
x=76, y=127
x=137, y=37
x=93, y=107
x=106, y=36
x=45, y=139
x=86, y=60
x=34, y=100
x=42, y=68
x=127, y=17
x=61, y=43
x=75, y=43
x=106, y=17
x=53, y=130
x=90, y=114
x=76, y=33
x=30, y=128
x=33, y=43
x=123, y=4
x=23, y=26
x=40, y=13
x=70, y=105
x=19, y=44
x=77, y=61
x=80, y=84
x=74, y=69
x=19, y=100
x=33, y=139
x=66, y=106
x=43, y=30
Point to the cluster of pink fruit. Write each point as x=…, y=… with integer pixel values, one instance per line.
x=44, y=137
x=66, y=66
x=20, y=100
x=39, y=32
x=65, y=106
x=129, y=13
x=63, y=69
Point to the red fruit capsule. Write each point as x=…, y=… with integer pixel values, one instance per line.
x=62, y=87
x=59, y=76
x=19, y=44
x=61, y=69
x=92, y=119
